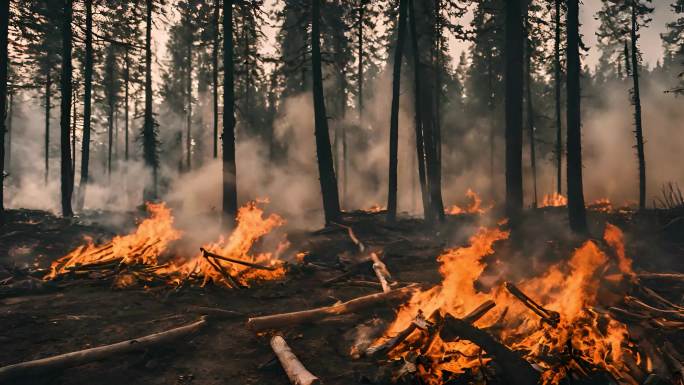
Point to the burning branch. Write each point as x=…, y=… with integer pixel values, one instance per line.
x=517, y=370
x=277, y=321
x=81, y=357
x=239, y=262
x=549, y=316
x=296, y=372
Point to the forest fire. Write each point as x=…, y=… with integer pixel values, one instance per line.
x=554, y=200
x=473, y=207
x=573, y=334
x=136, y=257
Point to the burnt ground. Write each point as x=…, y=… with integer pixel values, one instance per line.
x=39, y=320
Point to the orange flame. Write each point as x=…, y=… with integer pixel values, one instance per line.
x=474, y=207
x=142, y=249
x=569, y=288
x=602, y=204
x=554, y=200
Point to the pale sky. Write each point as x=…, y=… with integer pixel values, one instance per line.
x=650, y=43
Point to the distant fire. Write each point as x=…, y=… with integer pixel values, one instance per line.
x=136, y=256
x=554, y=200
x=568, y=290
x=376, y=208
x=602, y=204
x=474, y=207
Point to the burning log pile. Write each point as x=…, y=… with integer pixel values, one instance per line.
x=590, y=319
x=136, y=257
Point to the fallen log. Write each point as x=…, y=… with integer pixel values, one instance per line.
x=294, y=369
x=215, y=312
x=68, y=360
x=671, y=277
x=516, y=369
x=276, y=321
x=237, y=261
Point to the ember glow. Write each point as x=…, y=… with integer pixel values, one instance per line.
x=474, y=207
x=136, y=256
x=580, y=335
x=554, y=200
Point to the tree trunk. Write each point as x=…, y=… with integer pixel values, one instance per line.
x=188, y=90
x=48, y=106
x=638, y=132
x=492, y=123
x=359, y=33
x=418, y=120
x=88, y=87
x=228, y=136
x=149, y=137
x=110, y=138
x=74, y=102
x=214, y=74
x=65, y=113
x=513, y=51
x=394, y=117
x=127, y=78
x=576, y=211
x=4, y=59
x=328, y=181
x=435, y=156
x=10, y=113
x=557, y=81
x=530, y=110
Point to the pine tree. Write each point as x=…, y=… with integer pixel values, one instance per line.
x=621, y=21
x=65, y=111
x=228, y=136
x=514, y=96
x=149, y=133
x=394, y=114
x=673, y=41
x=576, y=210
x=328, y=181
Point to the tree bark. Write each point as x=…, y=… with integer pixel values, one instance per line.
x=74, y=102
x=228, y=136
x=435, y=155
x=558, y=83
x=576, y=210
x=65, y=113
x=513, y=51
x=530, y=110
x=418, y=118
x=394, y=117
x=214, y=74
x=4, y=59
x=326, y=171
x=638, y=132
x=88, y=87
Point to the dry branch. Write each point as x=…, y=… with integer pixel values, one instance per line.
x=381, y=272
x=352, y=236
x=68, y=360
x=296, y=372
x=515, y=368
x=276, y=321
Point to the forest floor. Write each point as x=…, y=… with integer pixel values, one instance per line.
x=40, y=320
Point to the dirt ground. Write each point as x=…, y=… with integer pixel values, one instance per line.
x=42, y=321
